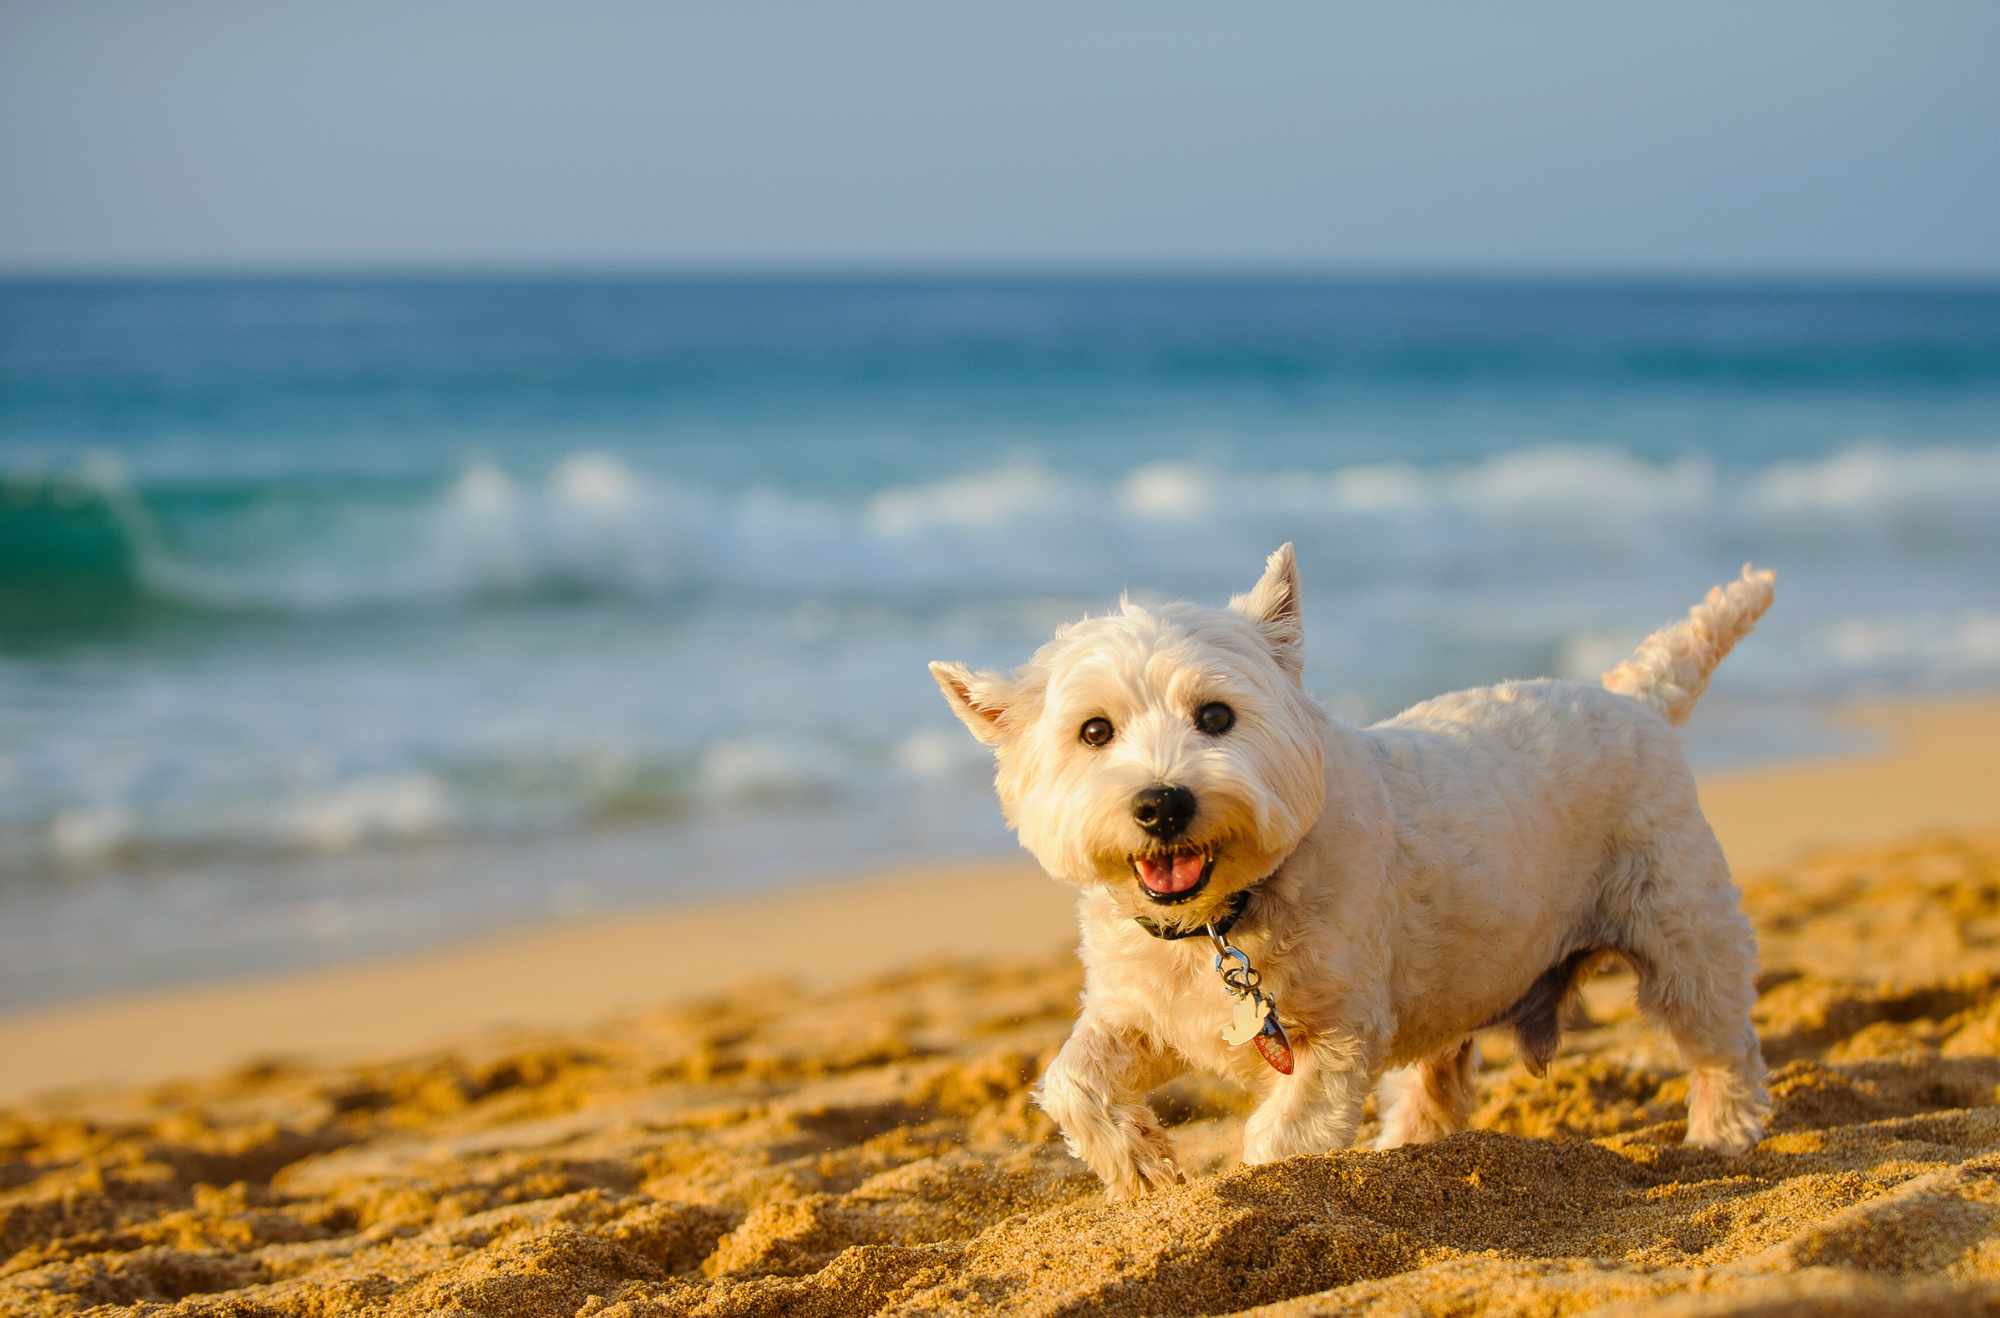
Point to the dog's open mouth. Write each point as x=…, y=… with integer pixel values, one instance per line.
x=1169, y=877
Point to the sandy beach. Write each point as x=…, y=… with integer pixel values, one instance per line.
x=523, y=533
x=655, y=1114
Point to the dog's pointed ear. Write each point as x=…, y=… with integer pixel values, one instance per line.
x=1273, y=604
x=980, y=700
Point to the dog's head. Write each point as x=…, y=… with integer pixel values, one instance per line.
x=1170, y=754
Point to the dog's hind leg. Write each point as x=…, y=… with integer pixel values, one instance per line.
x=1430, y=1100
x=1697, y=963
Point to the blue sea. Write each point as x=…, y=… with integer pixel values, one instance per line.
x=341, y=615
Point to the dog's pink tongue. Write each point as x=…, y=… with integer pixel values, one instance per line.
x=1177, y=874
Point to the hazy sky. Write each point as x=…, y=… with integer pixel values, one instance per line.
x=1688, y=136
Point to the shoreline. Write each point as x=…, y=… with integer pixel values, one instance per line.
x=1928, y=772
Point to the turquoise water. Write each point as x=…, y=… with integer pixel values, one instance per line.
x=341, y=614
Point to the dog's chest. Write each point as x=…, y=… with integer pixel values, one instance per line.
x=1189, y=1008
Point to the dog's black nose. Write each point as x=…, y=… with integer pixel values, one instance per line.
x=1164, y=812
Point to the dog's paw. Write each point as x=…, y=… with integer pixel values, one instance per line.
x=1268, y=1140
x=1262, y=1146
x=1405, y=1128
x=1151, y=1167
x=1727, y=1114
x=1728, y=1138
x=1275, y=1141
x=1143, y=1180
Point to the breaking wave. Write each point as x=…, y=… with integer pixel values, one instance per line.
x=361, y=712
x=593, y=526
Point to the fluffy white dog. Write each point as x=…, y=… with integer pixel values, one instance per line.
x=1397, y=888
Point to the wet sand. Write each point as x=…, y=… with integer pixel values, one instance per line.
x=848, y=1129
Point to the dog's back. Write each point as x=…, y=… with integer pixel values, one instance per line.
x=1549, y=774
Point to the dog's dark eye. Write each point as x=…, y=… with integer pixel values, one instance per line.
x=1095, y=731
x=1215, y=718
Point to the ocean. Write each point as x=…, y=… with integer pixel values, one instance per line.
x=341, y=615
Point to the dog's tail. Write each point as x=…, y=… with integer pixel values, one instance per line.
x=1670, y=669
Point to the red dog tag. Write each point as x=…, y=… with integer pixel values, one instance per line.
x=1273, y=1046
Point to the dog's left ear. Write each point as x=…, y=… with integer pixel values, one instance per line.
x=1273, y=604
x=980, y=700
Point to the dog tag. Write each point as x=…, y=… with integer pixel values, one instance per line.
x=1246, y=1020
x=1273, y=1046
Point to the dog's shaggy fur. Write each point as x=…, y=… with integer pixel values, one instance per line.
x=1453, y=869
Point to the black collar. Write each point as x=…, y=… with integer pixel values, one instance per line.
x=1232, y=912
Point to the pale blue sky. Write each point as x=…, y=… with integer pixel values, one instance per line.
x=1725, y=137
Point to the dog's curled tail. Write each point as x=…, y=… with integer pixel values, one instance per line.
x=1670, y=669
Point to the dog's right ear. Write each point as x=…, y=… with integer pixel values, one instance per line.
x=979, y=699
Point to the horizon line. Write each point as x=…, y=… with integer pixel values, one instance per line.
x=998, y=271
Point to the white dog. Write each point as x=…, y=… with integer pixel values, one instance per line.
x=1396, y=888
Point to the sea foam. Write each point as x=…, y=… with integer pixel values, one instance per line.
x=593, y=524
x=594, y=643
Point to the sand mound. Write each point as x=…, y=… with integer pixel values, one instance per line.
x=874, y=1151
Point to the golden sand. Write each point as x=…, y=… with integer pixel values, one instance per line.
x=873, y=1150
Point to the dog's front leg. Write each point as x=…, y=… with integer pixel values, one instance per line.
x=1316, y=1108
x=1095, y=1090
